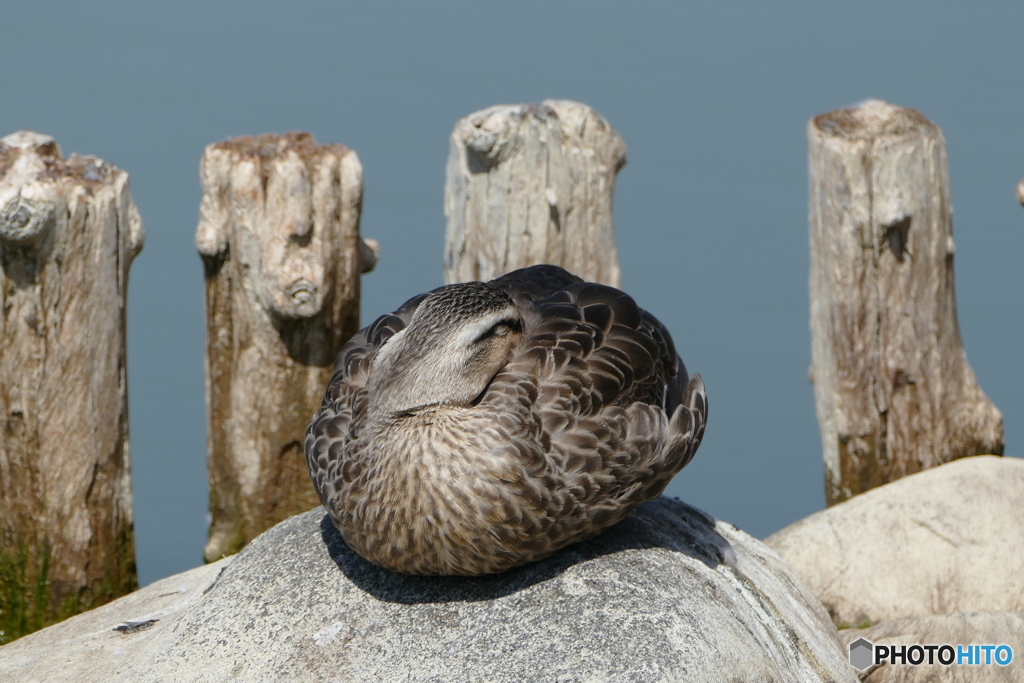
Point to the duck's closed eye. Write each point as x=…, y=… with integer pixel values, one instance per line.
x=500, y=329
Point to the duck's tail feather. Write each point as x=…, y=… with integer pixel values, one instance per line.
x=686, y=428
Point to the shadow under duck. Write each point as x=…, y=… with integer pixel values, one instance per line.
x=485, y=425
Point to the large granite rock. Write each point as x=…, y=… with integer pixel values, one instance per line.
x=669, y=594
x=946, y=540
x=975, y=628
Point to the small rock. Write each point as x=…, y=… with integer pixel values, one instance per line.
x=949, y=539
x=975, y=628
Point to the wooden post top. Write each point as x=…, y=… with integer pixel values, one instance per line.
x=870, y=120
x=275, y=200
x=488, y=132
x=35, y=183
x=270, y=145
x=27, y=158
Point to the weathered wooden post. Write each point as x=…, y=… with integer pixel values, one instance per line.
x=279, y=237
x=893, y=390
x=68, y=233
x=530, y=184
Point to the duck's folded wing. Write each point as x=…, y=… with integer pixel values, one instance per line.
x=527, y=285
x=610, y=397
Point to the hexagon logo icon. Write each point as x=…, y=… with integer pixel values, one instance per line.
x=862, y=654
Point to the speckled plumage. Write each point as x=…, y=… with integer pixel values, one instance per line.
x=485, y=425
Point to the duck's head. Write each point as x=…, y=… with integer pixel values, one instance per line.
x=458, y=339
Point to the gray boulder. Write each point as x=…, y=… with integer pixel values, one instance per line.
x=975, y=628
x=110, y=641
x=668, y=594
x=946, y=540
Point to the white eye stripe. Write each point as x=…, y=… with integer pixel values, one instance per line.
x=470, y=333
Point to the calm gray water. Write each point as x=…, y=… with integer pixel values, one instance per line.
x=711, y=210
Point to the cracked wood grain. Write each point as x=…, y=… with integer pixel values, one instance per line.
x=279, y=237
x=894, y=393
x=529, y=184
x=69, y=230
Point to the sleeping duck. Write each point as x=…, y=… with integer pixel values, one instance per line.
x=484, y=425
